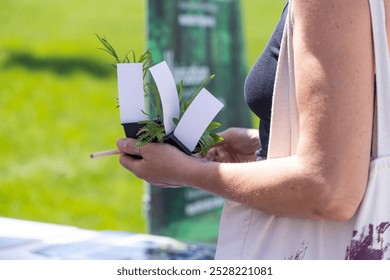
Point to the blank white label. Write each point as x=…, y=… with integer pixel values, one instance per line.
x=197, y=118
x=131, y=92
x=168, y=94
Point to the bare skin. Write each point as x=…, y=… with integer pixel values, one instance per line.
x=327, y=177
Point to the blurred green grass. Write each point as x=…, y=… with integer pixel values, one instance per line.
x=58, y=104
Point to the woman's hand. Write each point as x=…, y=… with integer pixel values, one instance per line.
x=164, y=165
x=161, y=164
x=239, y=145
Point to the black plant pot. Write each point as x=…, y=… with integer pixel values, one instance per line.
x=132, y=131
x=172, y=140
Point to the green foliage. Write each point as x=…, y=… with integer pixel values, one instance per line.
x=146, y=59
x=209, y=138
x=109, y=49
x=152, y=94
x=154, y=131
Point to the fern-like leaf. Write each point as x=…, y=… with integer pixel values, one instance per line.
x=152, y=132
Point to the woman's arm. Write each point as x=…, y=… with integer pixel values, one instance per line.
x=327, y=177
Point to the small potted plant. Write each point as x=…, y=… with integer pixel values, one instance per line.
x=159, y=125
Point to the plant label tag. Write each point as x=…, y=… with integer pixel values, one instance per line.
x=168, y=94
x=131, y=92
x=197, y=118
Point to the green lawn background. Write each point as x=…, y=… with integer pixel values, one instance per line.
x=57, y=105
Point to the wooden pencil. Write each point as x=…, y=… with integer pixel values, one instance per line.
x=105, y=153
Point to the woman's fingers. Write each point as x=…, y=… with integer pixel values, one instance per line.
x=128, y=162
x=211, y=154
x=128, y=146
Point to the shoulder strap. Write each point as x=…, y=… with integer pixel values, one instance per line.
x=382, y=63
x=284, y=117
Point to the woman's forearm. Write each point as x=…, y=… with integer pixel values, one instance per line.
x=285, y=186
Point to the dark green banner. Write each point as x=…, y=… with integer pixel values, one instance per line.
x=197, y=38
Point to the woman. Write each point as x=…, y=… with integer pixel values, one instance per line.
x=324, y=180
